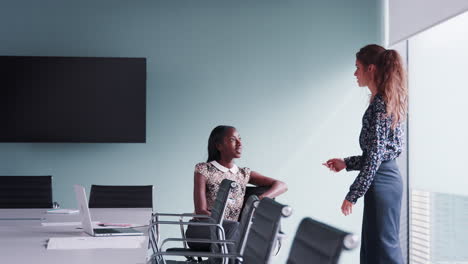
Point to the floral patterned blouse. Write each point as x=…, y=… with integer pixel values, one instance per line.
x=379, y=142
x=215, y=173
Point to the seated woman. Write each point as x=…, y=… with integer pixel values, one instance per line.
x=224, y=145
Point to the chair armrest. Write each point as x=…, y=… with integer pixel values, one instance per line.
x=197, y=240
x=184, y=223
x=218, y=226
x=182, y=215
x=198, y=254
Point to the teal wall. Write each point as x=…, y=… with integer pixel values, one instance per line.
x=280, y=71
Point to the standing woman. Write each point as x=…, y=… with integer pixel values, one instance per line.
x=381, y=138
x=225, y=145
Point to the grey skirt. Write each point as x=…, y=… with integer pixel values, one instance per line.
x=381, y=222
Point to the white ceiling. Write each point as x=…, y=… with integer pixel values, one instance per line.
x=406, y=18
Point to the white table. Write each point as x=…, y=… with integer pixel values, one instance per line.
x=25, y=241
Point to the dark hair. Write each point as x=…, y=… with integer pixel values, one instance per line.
x=216, y=137
x=390, y=78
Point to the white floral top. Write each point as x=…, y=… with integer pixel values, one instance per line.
x=215, y=173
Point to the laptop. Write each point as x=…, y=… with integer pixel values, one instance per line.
x=86, y=219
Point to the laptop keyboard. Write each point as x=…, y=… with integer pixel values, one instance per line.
x=116, y=232
x=110, y=231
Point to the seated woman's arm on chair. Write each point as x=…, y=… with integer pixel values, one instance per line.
x=199, y=194
x=276, y=187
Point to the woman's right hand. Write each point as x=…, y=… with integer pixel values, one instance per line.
x=335, y=164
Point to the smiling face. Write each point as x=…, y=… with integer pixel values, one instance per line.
x=364, y=75
x=231, y=146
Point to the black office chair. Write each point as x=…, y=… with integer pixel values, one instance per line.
x=260, y=241
x=246, y=221
x=264, y=232
x=316, y=242
x=214, y=226
x=257, y=191
x=26, y=192
x=252, y=190
x=107, y=196
x=244, y=227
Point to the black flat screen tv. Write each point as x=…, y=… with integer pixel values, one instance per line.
x=72, y=99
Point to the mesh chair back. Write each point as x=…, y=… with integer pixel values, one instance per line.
x=219, y=206
x=253, y=190
x=218, y=209
x=217, y=216
x=107, y=196
x=264, y=230
x=246, y=220
x=25, y=191
x=316, y=242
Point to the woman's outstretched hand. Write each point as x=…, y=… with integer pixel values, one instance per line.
x=347, y=207
x=335, y=165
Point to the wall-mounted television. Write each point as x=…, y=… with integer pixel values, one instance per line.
x=72, y=99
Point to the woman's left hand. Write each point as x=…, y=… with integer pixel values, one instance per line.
x=347, y=207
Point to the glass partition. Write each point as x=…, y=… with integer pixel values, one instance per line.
x=438, y=144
